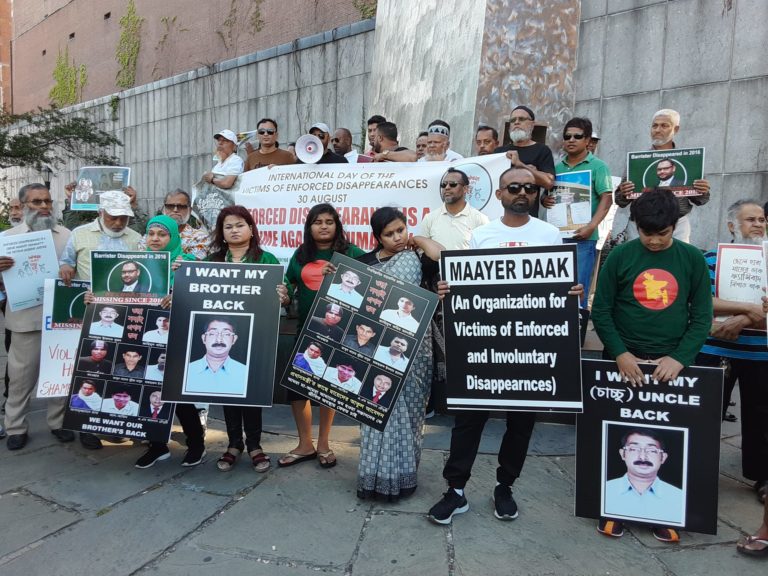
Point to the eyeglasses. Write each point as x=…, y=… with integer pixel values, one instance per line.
x=573, y=136
x=38, y=202
x=222, y=333
x=178, y=207
x=635, y=450
x=515, y=188
x=519, y=119
x=263, y=131
x=450, y=184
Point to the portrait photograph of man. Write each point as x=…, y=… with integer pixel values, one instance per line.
x=644, y=473
x=161, y=323
x=403, y=310
x=88, y=394
x=363, y=334
x=349, y=286
x=156, y=366
x=122, y=399
x=311, y=359
x=132, y=278
x=95, y=356
x=667, y=173
x=109, y=321
x=379, y=388
x=393, y=349
x=218, y=352
x=345, y=372
x=130, y=361
x=329, y=320
x=153, y=407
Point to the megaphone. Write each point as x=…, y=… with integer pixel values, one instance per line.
x=309, y=149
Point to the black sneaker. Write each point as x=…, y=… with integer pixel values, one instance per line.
x=153, y=454
x=90, y=441
x=505, y=507
x=193, y=457
x=452, y=503
x=63, y=435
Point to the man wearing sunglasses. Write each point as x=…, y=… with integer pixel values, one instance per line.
x=453, y=223
x=269, y=152
x=517, y=191
x=25, y=326
x=576, y=137
x=178, y=205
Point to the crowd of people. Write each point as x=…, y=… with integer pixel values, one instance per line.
x=672, y=329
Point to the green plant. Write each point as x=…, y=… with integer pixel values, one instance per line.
x=128, y=47
x=367, y=8
x=70, y=81
x=166, y=61
x=230, y=29
x=114, y=106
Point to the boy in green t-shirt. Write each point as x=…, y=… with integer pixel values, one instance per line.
x=652, y=304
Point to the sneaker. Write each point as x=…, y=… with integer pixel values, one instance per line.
x=664, y=534
x=152, y=455
x=505, y=507
x=430, y=414
x=16, y=441
x=193, y=457
x=63, y=435
x=610, y=528
x=452, y=503
x=90, y=441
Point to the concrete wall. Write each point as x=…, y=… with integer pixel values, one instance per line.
x=167, y=127
x=637, y=56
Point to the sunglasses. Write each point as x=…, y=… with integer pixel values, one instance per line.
x=573, y=137
x=450, y=184
x=527, y=188
x=178, y=207
x=263, y=131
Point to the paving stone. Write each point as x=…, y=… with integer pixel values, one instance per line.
x=146, y=526
x=27, y=519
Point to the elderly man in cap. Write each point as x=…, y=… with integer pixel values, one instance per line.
x=25, y=326
x=439, y=143
x=108, y=232
x=224, y=174
x=323, y=133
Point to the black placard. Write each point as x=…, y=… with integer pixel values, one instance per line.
x=512, y=338
x=223, y=311
x=678, y=421
x=332, y=329
x=115, y=388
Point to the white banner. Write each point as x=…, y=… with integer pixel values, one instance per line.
x=60, y=338
x=280, y=197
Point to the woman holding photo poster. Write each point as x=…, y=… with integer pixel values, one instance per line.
x=389, y=459
x=163, y=236
x=236, y=239
x=323, y=235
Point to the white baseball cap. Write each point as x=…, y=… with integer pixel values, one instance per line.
x=320, y=126
x=227, y=135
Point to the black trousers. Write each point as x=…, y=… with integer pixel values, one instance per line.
x=241, y=419
x=190, y=424
x=754, y=417
x=465, y=441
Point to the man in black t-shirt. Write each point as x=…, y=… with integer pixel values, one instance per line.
x=322, y=131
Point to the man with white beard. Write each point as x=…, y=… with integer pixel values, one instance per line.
x=108, y=232
x=664, y=127
x=25, y=326
x=177, y=205
x=15, y=212
x=739, y=341
x=525, y=152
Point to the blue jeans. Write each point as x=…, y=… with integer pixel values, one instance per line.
x=586, y=253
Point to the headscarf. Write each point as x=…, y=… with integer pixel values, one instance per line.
x=174, y=244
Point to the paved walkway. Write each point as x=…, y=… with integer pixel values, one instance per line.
x=65, y=510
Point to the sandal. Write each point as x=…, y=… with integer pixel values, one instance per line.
x=259, y=460
x=292, y=458
x=741, y=546
x=665, y=534
x=325, y=459
x=228, y=460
